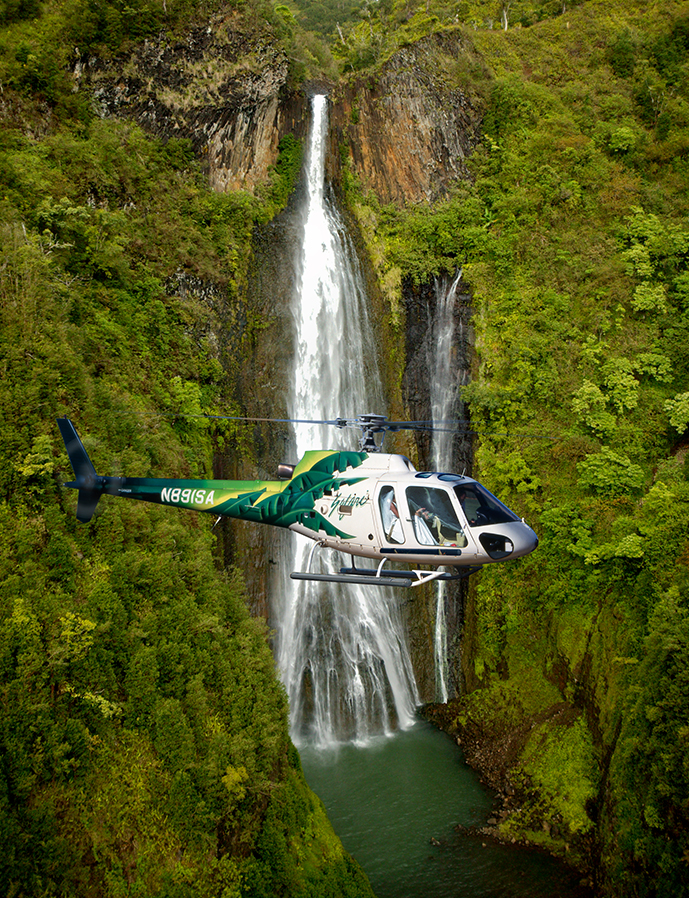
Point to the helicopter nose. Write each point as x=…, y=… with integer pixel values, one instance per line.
x=511, y=540
x=524, y=539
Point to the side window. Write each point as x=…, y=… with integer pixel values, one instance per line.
x=433, y=517
x=390, y=516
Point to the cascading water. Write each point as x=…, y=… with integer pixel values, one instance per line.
x=448, y=376
x=341, y=649
x=343, y=652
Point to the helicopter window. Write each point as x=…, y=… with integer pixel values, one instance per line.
x=449, y=477
x=481, y=507
x=434, y=519
x=390, y=515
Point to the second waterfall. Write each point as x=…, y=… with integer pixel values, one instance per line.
x=341, y=650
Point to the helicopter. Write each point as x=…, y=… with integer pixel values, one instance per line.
x=366, y=503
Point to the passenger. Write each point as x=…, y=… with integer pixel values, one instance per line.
x=427, y=522
x=390, y=516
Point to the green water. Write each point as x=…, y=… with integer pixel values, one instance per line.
x=387, y=801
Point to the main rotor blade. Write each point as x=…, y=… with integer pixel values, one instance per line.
x=381, y=426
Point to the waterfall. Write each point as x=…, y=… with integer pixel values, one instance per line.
x=449, y=373
x=341, y=649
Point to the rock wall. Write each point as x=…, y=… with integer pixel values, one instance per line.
x=409, y=129
x=222, y=86
x=226, y=88
x=420, y=313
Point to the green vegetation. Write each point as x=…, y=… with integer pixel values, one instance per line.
x=144, y=743
x=575, y=239
x=330, y=19
x=364, y=33
x=143, y=734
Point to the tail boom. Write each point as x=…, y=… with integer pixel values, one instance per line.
x=89, y=484
x=281, y=503
x=234, y=498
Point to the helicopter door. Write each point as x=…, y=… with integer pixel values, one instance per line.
x=434, y=519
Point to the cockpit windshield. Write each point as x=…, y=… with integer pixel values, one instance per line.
x=481, y=507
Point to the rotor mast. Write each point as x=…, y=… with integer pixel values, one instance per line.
x=370, y=425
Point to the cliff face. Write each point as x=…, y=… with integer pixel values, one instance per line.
x=221, y=86
x=408, y=132
x=409, y=129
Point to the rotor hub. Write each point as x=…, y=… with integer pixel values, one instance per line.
x=371, y=425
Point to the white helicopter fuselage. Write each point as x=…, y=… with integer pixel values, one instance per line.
x=397, y=513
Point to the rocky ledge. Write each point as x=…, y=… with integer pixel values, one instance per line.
x=494, y=753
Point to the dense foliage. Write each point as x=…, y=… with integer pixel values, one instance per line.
x=364, y=33
x=574, y=237
x=44, y=45
x=144, y=744
x=329, y=18
x=143, y=733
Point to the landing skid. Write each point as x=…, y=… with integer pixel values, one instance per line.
x=363, y=577
x=421, y=576
x=378, y=577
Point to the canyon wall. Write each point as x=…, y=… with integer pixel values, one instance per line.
x=405, y=134
x=547, y=666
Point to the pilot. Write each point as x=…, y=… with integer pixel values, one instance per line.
x=470, y=516
x=429, y=527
